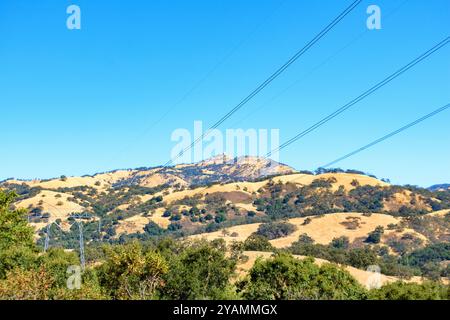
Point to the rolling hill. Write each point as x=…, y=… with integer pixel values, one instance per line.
x=438, y=187
x=235, y=200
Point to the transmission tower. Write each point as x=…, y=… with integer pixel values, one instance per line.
x=80, y=229
x=100, y=237
x=47, y=237
x=81, y=238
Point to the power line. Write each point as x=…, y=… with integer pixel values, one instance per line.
x=279, y=71
x=199, y=82
x=389, y=135
x=317, y=67
x=362, y=96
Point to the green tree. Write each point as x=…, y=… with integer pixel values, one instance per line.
x=257, y=242
x=56, y=261
x=340, y=243
x=21, y=284
x=90, y=289
x=362, y=257
x=410, y=291
x=284, y=277
x=16, y=237
x=153, y=229
x=130, y=273
x=200, y=271
x=274, y=230
x=305, y=239
x=375, y=236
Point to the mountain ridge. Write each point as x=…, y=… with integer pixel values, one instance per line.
x=218, y=169
x=437, y=187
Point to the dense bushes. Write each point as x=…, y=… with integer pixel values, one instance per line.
x=257, y=242
x=130, y=273
x=201, y=271
x=375, y=236
x=411, y=291
x=275, y=230
x=430, y=260
x=16, y=237
x=338, y=251
x=153, y=229
x=285, y=200
x=433, y=253
x=284, y=277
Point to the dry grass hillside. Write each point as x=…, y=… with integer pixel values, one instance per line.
x=322, y=229
x=239, y=193
x=342, y=179
x=347, y=217
x=61, y=207
x=216, y=169
x=212, y=195
x=99, y=181
x=57, y=204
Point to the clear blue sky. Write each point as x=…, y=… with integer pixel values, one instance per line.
x=77, y=102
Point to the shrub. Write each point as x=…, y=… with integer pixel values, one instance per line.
x=284, y=277
x=375, y=236
x=26, y=285
x=340, y=243
x=130, y=273
x=153, y=229
x=274, y=230
x=201, y=271
x=257, y=242
x=305, y=239
x=362, y=258
x=410, y=291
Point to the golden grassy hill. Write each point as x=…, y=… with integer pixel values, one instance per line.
x=102, y=183
x=216, y=169
x=322, y=229
x=234, y=193
x=212, y=195
x=238, y=195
